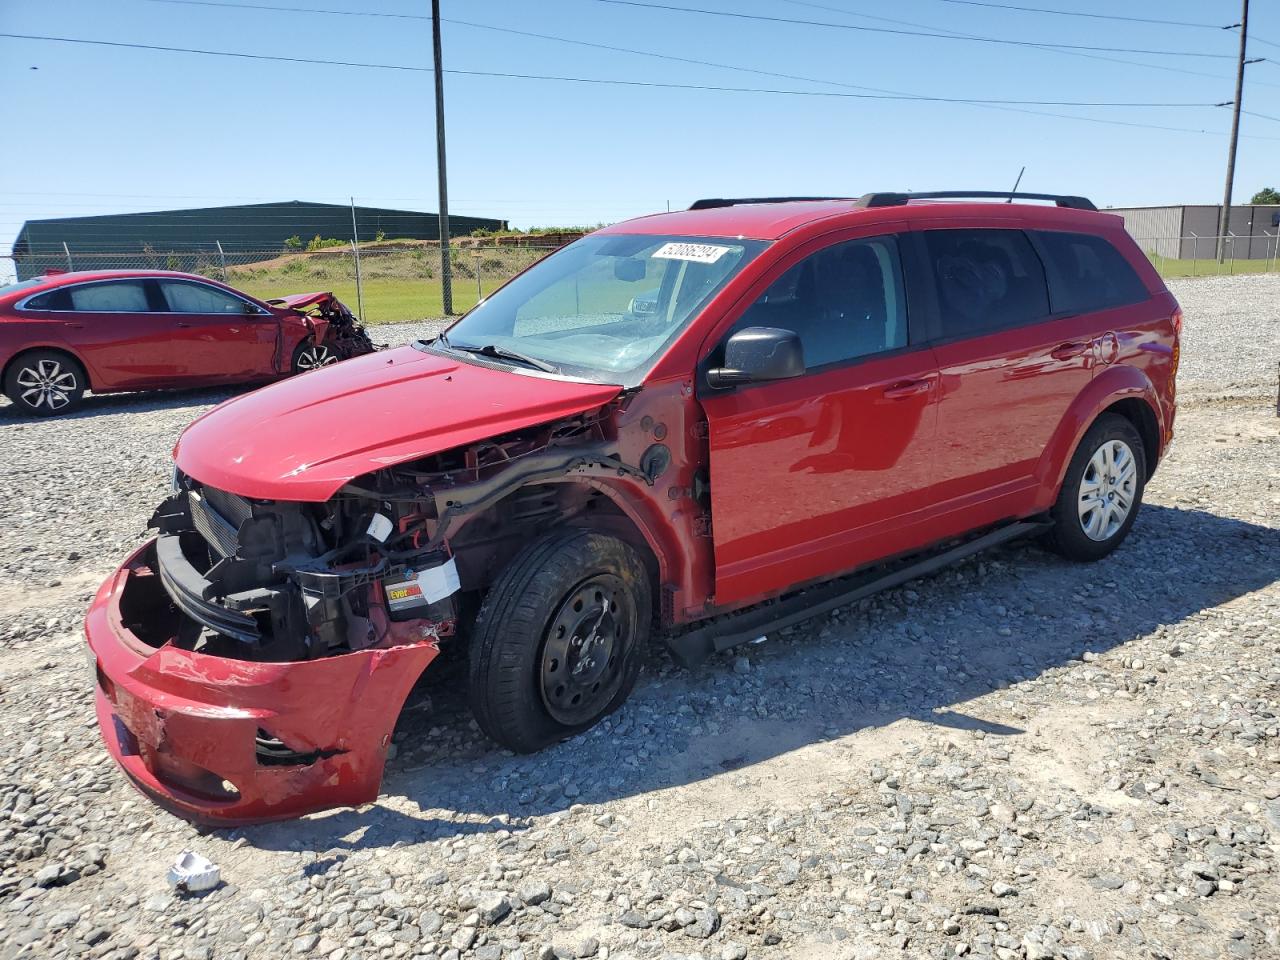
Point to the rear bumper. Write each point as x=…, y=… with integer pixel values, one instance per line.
x=186, y=727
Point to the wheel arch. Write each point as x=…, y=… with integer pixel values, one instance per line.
x=1122, y=390
x=53, y=348
x=486, y=542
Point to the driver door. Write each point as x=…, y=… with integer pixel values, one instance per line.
x=818, y=474
x=221, y=340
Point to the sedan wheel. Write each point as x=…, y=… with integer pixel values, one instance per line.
x=312, y=356
x=45, y=383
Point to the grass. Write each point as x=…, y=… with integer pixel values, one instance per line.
x=386, y=300
x=1206, y=267
x=398, y=283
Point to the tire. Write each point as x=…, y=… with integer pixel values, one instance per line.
x=544, y=661
x=1101, y=492
x=45, y=383
x=309, y=355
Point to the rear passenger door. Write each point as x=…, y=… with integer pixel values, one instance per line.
x=1010, y=367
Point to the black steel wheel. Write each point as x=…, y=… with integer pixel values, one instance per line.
x=559, y=639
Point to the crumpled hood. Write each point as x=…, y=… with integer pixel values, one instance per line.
x=303, y=438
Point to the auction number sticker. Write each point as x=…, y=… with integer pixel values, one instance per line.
x=696, y=252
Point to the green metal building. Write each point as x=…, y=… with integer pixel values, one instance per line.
x=186, y=239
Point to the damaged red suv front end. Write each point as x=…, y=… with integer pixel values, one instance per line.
x=252, y=658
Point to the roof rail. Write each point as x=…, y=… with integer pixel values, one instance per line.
x=899, y=199
x=713, y=202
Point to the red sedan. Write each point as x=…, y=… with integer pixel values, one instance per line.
x=112, y=330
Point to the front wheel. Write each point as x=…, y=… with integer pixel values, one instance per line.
x=559, y=639
x=311, y=356
x=1101, y=492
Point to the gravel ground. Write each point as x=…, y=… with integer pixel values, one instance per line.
x=1017, y=758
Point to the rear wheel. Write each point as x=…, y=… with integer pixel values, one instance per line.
x=559, y=639
x=45, y=383
x=311, y=356
x=1101, y=492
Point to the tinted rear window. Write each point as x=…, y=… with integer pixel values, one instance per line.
x=987, y=280
x=1087, y=273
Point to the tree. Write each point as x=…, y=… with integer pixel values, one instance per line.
x=1266, y=195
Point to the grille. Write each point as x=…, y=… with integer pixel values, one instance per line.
x=219, y=532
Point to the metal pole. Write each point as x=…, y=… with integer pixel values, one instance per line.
x=355, y=249
x=223, y=257
x=1195, y=253
x=67, y=251
x=1232, y=268
x=446, y=276
x=1224, y=220
x=1275, y=248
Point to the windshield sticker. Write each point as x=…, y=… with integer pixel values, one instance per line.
x=696, y=252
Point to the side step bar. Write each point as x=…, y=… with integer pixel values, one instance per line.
x=693, y=648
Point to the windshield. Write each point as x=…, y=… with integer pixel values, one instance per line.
x=602, y=308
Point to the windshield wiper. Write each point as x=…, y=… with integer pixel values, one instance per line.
x=502, y=353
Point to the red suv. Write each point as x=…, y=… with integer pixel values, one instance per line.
x=704, y=424
x=111, y=330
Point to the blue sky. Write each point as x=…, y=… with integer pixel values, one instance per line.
x=101, y=130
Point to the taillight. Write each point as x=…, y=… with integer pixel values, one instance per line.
x=1177, y=322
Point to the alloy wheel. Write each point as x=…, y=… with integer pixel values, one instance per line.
x=47, y=384
x=1108, y=490
x=315, y=356
x=582, y=658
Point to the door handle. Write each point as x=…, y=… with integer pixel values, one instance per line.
x=907, y=388
x=1071, y=349
x=183, y=325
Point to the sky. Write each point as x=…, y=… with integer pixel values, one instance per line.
x=98, y=129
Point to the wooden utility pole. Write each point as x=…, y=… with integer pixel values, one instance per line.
x=446, y=275
x=1224, y=221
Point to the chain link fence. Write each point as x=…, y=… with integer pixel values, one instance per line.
x=1196, y=256
x=383, y=282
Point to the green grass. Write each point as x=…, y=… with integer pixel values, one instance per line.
x=386, y=300
x=1206, y=267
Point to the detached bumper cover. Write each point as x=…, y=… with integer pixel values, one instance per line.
x=189, y=729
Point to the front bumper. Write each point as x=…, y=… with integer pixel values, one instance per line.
x=187, y=727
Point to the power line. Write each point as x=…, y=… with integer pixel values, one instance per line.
x=1162, y=67
x=609, y=81
x=410, y=16
x=910, y=33
x=1091, y=16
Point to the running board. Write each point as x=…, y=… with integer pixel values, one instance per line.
x=693, y=648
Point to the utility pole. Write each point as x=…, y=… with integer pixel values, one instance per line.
x=446, y=277
x=1224, y=221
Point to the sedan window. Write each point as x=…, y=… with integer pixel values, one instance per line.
x=120, y=296
x=199, y=298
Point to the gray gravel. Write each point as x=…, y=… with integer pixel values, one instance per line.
x=1017, y=758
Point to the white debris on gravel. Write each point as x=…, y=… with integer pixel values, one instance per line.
x=1015, y=758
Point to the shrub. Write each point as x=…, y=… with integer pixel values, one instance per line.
x=293, y=243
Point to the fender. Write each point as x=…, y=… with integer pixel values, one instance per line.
x=1107, y=387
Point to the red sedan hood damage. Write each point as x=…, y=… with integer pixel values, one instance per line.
x=303, y=438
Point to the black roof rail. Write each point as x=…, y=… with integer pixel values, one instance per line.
x=713, y=202
x=899, y=199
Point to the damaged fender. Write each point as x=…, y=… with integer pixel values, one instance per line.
x=225, y=741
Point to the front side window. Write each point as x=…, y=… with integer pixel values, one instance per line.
x=184, y=297
x=843, y=302
x=1087, y=273
x=602, y=308
x=986, y=279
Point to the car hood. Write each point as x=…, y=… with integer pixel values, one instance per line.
x=303, y=438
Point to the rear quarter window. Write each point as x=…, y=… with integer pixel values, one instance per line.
x=1087, y=273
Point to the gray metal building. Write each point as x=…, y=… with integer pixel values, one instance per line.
x=1189, y=231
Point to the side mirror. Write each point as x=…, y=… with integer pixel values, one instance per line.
x=757, y=354
x=251, y=310
x=628, y=269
